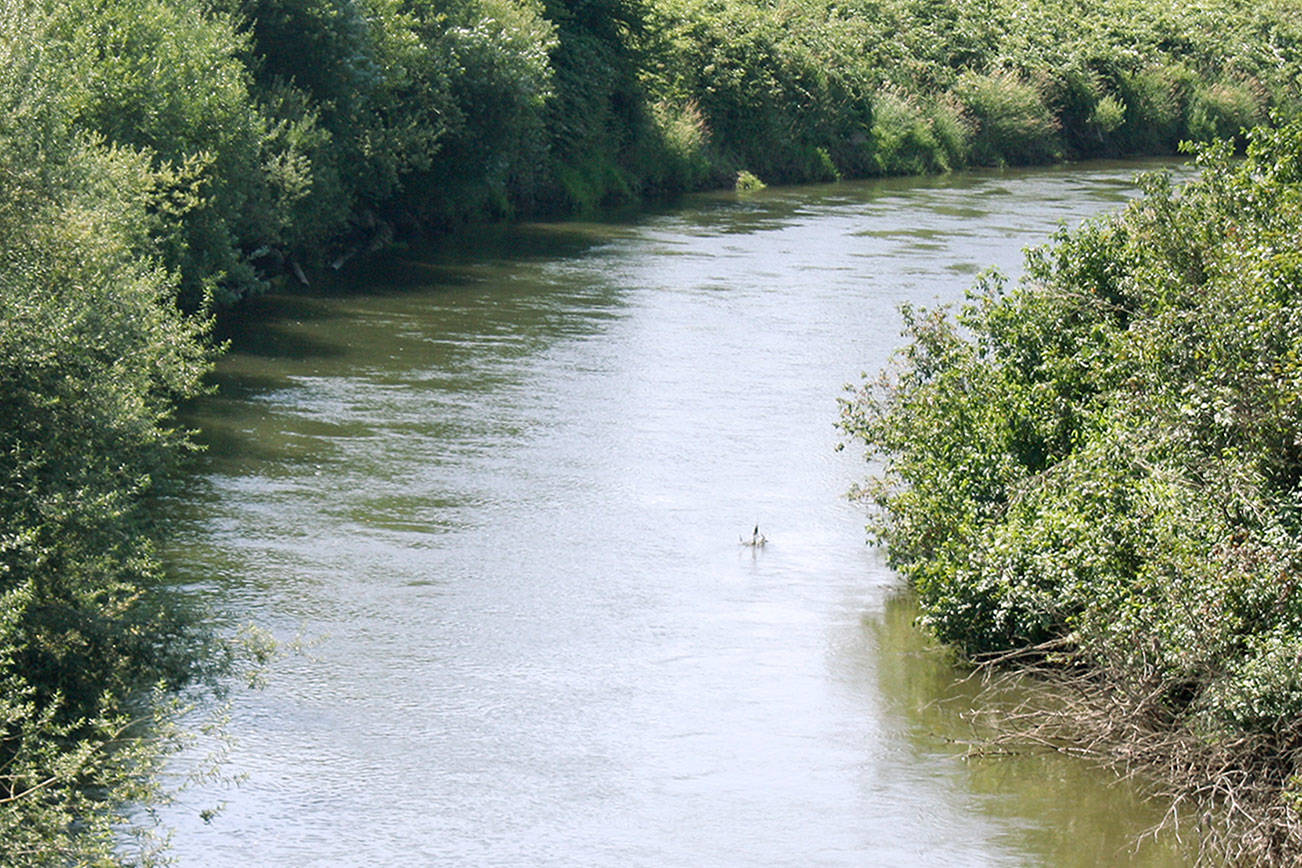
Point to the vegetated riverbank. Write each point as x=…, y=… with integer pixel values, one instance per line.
x=1099, y=473
x=156, y=155
x=301, y=133
x=93, y=354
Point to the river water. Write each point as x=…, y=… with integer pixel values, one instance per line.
x=497, y=490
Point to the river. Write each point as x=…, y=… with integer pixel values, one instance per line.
x=497, y=488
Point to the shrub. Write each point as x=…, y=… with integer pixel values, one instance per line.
x=1222, y=110
x=1108, y=114
x=93, y=353
x=1155, y=99
x=166, y=77
x=493, y=58
x=783, y=93
x=748, y=183
x=1011, y=123
x=909, y=137
x=684, y=138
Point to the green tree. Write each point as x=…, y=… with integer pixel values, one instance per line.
x=93, y=353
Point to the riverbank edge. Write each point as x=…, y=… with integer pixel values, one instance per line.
x=1071, y=502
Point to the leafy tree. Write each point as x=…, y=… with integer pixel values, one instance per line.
x=93, y=353
x=166, y=76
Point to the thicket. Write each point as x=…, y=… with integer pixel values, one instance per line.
x=309, y=131
x=93, y=352
x=1101, y=469
x=820, y=89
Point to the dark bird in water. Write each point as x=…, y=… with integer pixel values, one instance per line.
x=756, y=538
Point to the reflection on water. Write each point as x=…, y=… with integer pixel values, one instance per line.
x=1038, y=796
x=500, y=487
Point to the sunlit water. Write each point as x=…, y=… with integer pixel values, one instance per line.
x=499, y=489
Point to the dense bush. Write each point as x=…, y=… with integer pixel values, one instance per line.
x=164, y=77
x=308, y=131
x=1108, y=457
x=490, y=161
x=810, y=90
x=914, y=135
x=1012, y=123
x=307, y=127
x=781, y=92
x=93, y=353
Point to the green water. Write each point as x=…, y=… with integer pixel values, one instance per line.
x=499, y=488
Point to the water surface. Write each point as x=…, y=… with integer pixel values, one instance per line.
x=499, y=488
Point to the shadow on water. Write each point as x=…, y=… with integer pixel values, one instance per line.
x=243, y=385
x=268, y=325
x=984, y=190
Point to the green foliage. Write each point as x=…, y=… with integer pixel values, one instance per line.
x=1109, y=452
x=1156, y=99
x=159, y=155
x=781, y=91
x=93, y=353
x=166, y=77
x=426, y=107
x=599, y=122
x=911, y=136
x=1011, y=122
x=303, y=132
x=748, y=183
x=493, y=155
x=1222, y=110
x=1108, y=114
x=687, y=162
x=906, y=86
x=306, y=127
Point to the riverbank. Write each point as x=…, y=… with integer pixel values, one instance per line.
x=291, y=137
x=1096, y=472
